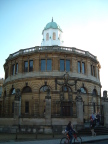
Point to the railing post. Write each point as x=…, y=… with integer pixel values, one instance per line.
x=36, y=132
x=53, y=131
x=16, y=133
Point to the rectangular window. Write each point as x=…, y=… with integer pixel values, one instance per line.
x=79, y=67
x=16, y=68
x=83, y=67
x=26, y=66
x=43, y=65
x=12, y=107
x=30, y=65
x=67, y=65
x=49, y=64
x=62, y=65
x=6, y=73
x=47, y=36
x=26, y=107
x=91, y=69
x=13, y=69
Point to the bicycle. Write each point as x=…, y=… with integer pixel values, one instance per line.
x=66, y=139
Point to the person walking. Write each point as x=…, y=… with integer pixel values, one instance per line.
x=92, y=125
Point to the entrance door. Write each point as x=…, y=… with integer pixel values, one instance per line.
x=66, y=110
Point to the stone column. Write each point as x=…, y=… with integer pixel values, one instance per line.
x=105, y=109
x=48, y=110
x=17, y=107
x=79, y=106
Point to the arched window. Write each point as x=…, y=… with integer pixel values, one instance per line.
x=44, y=88
x=12, y=91
x=94, y=93
x=83, y=90
x=66, y=89
x=54, y=36
x=47, y=36
x=26, y=89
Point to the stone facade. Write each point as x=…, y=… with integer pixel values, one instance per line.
x=1, y=98
x=33, y=85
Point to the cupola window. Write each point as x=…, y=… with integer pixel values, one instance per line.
x=54, y=36
x=47, y=36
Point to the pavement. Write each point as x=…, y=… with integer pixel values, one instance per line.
x=85, y=139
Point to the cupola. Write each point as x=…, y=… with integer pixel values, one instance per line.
x=52, y=35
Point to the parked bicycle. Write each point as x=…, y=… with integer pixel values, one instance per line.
x=66, y=139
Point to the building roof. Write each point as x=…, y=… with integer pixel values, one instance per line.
x=52, y=25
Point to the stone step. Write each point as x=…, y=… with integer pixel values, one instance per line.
x=98, y=130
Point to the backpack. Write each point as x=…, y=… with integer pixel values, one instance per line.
x=91, y=118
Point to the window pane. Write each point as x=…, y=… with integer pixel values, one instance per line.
x=26, y=107
x=47, y=36
x=79, y=68
x=54, y=36
x=25, y=66
x=43, y=65
x=67, y=65
x=13, y=91
x=62, y=65
x=49, y=65
x=13, y=69
x=83, y=90
x=16, y=68
x=94, y=92
x=65, y=89
x=30, y=65
x=6, y=73
x=83, y=67
x=91, y=69
x=12, y=107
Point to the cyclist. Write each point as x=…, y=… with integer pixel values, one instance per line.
x=70, y=131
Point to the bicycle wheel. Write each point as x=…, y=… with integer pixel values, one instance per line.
x=78, y=140
x=64, y=140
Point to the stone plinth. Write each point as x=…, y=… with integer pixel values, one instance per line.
x=48, y=110
x=79, y=105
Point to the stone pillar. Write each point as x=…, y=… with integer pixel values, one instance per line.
x=17, y=107
x=79, y=106
x=105, y=110
x=48, y=110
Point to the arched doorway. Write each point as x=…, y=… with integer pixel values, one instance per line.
x=66, y=101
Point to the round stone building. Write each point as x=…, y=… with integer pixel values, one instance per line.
x=51, y=84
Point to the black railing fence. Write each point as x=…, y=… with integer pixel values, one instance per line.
x=37, y=111
x=34, y=131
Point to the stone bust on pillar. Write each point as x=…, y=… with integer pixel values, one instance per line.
x=48, y=108
x=78, y=97
x=17, y=104
x=17, y=95
x=79, y=105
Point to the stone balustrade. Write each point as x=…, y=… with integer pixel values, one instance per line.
x=51, y=48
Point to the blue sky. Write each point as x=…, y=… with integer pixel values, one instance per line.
x=84, y=24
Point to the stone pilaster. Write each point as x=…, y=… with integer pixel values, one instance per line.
x=105, y=110
x=79, y=105
x=48, y=110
